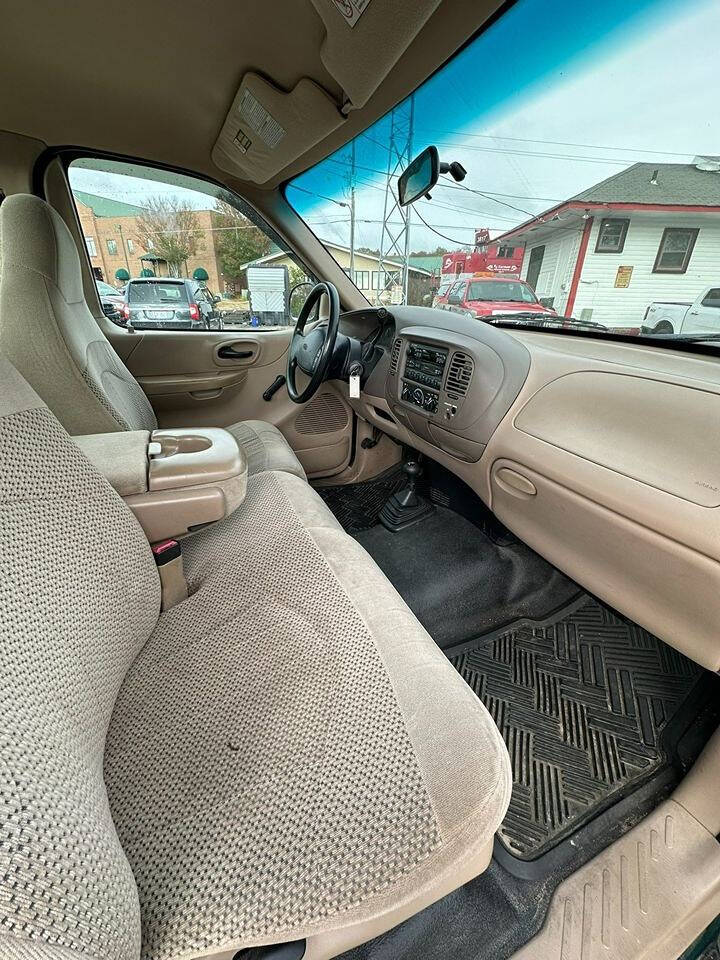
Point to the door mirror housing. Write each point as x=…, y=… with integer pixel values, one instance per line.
x=419, y=177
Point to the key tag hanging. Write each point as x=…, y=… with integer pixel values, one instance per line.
x=355, y=372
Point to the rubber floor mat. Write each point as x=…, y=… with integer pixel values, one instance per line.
x=358, y=505
x=585, y=703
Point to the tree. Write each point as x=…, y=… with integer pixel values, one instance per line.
x=437, y=252
x=237, y=241
x=168, y=227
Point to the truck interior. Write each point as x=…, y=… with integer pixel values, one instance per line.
x=353, y=627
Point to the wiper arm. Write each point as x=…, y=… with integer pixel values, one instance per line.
x=686, y=337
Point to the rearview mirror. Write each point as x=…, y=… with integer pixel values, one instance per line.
x=420, y=176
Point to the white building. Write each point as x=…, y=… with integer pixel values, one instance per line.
x=379, y=286
x=651, y=232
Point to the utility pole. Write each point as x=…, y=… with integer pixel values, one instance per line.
x=352, y=213
x=395, y=236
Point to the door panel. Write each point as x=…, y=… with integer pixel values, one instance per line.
x=190, y=384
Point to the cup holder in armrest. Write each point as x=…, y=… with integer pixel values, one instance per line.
x=189, y=457
x=196, y=476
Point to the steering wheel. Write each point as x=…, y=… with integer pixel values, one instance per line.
x=313, y=353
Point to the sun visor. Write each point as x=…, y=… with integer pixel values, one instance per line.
x=366, y=38
x=268, y=128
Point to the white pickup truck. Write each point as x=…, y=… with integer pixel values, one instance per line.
x=702, y=316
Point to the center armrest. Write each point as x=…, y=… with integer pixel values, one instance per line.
x=175, y=481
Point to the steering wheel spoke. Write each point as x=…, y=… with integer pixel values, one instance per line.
x=312, y=352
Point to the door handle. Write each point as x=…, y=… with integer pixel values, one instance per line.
x=230, y=353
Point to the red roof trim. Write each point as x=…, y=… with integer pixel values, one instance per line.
x=544, y=219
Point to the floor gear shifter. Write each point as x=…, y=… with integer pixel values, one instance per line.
x=406, y=506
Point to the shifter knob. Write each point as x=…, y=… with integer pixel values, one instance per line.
x=413, y=469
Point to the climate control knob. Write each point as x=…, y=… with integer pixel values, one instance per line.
x=418, y=397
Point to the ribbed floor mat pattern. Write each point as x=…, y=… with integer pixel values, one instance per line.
x=583, y=702
x=358, y=505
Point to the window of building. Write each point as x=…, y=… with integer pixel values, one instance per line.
x=611, y=236
x=385, y=280
x=189, y=225
x=506, y=252
x=675, y=250
x=362, y=279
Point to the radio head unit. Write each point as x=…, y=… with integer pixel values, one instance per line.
x=423, y=375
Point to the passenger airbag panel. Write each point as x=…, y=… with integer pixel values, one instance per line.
x=656, y=432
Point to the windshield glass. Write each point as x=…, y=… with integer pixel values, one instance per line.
x=589, y=134
x=499, y=290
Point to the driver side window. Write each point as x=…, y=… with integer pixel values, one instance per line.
x=142, y=223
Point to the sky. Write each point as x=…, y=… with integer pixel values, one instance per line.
x=555, y=96
x=552, y=98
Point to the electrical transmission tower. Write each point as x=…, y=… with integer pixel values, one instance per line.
x=395, y=237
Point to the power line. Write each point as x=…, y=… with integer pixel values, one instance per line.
x=313, y=194
x=557, y=143
x=461, y=243
x=496, y=200
x=451, y=186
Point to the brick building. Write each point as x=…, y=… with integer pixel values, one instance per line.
x=112, y=238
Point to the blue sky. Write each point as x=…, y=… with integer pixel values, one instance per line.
x=553, y=97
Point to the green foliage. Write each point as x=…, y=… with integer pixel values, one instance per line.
x=237, y=241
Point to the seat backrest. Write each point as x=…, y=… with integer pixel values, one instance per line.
x=48, y=332
x=79, y=596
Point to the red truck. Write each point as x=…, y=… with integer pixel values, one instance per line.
x=489, y=297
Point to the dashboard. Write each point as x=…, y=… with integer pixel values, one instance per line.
x=603, y=456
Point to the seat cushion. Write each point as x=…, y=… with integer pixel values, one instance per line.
x=265, y=448
x=314, y=760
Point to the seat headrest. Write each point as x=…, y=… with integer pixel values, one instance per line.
x=35, y=236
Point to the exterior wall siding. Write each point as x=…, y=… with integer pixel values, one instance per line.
x=561, y=250
x=621, y=307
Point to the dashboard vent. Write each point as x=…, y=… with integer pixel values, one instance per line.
x=459, y=374
x=395, y=355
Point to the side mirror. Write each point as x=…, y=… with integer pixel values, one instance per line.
x=216, y=299
x=420, y=176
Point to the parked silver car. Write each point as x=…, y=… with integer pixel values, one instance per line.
x=169, y=303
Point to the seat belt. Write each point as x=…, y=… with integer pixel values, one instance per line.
x=173, y=585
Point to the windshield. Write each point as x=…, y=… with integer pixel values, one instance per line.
x=153, y=292
x=590, y=138
x=494, y=291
